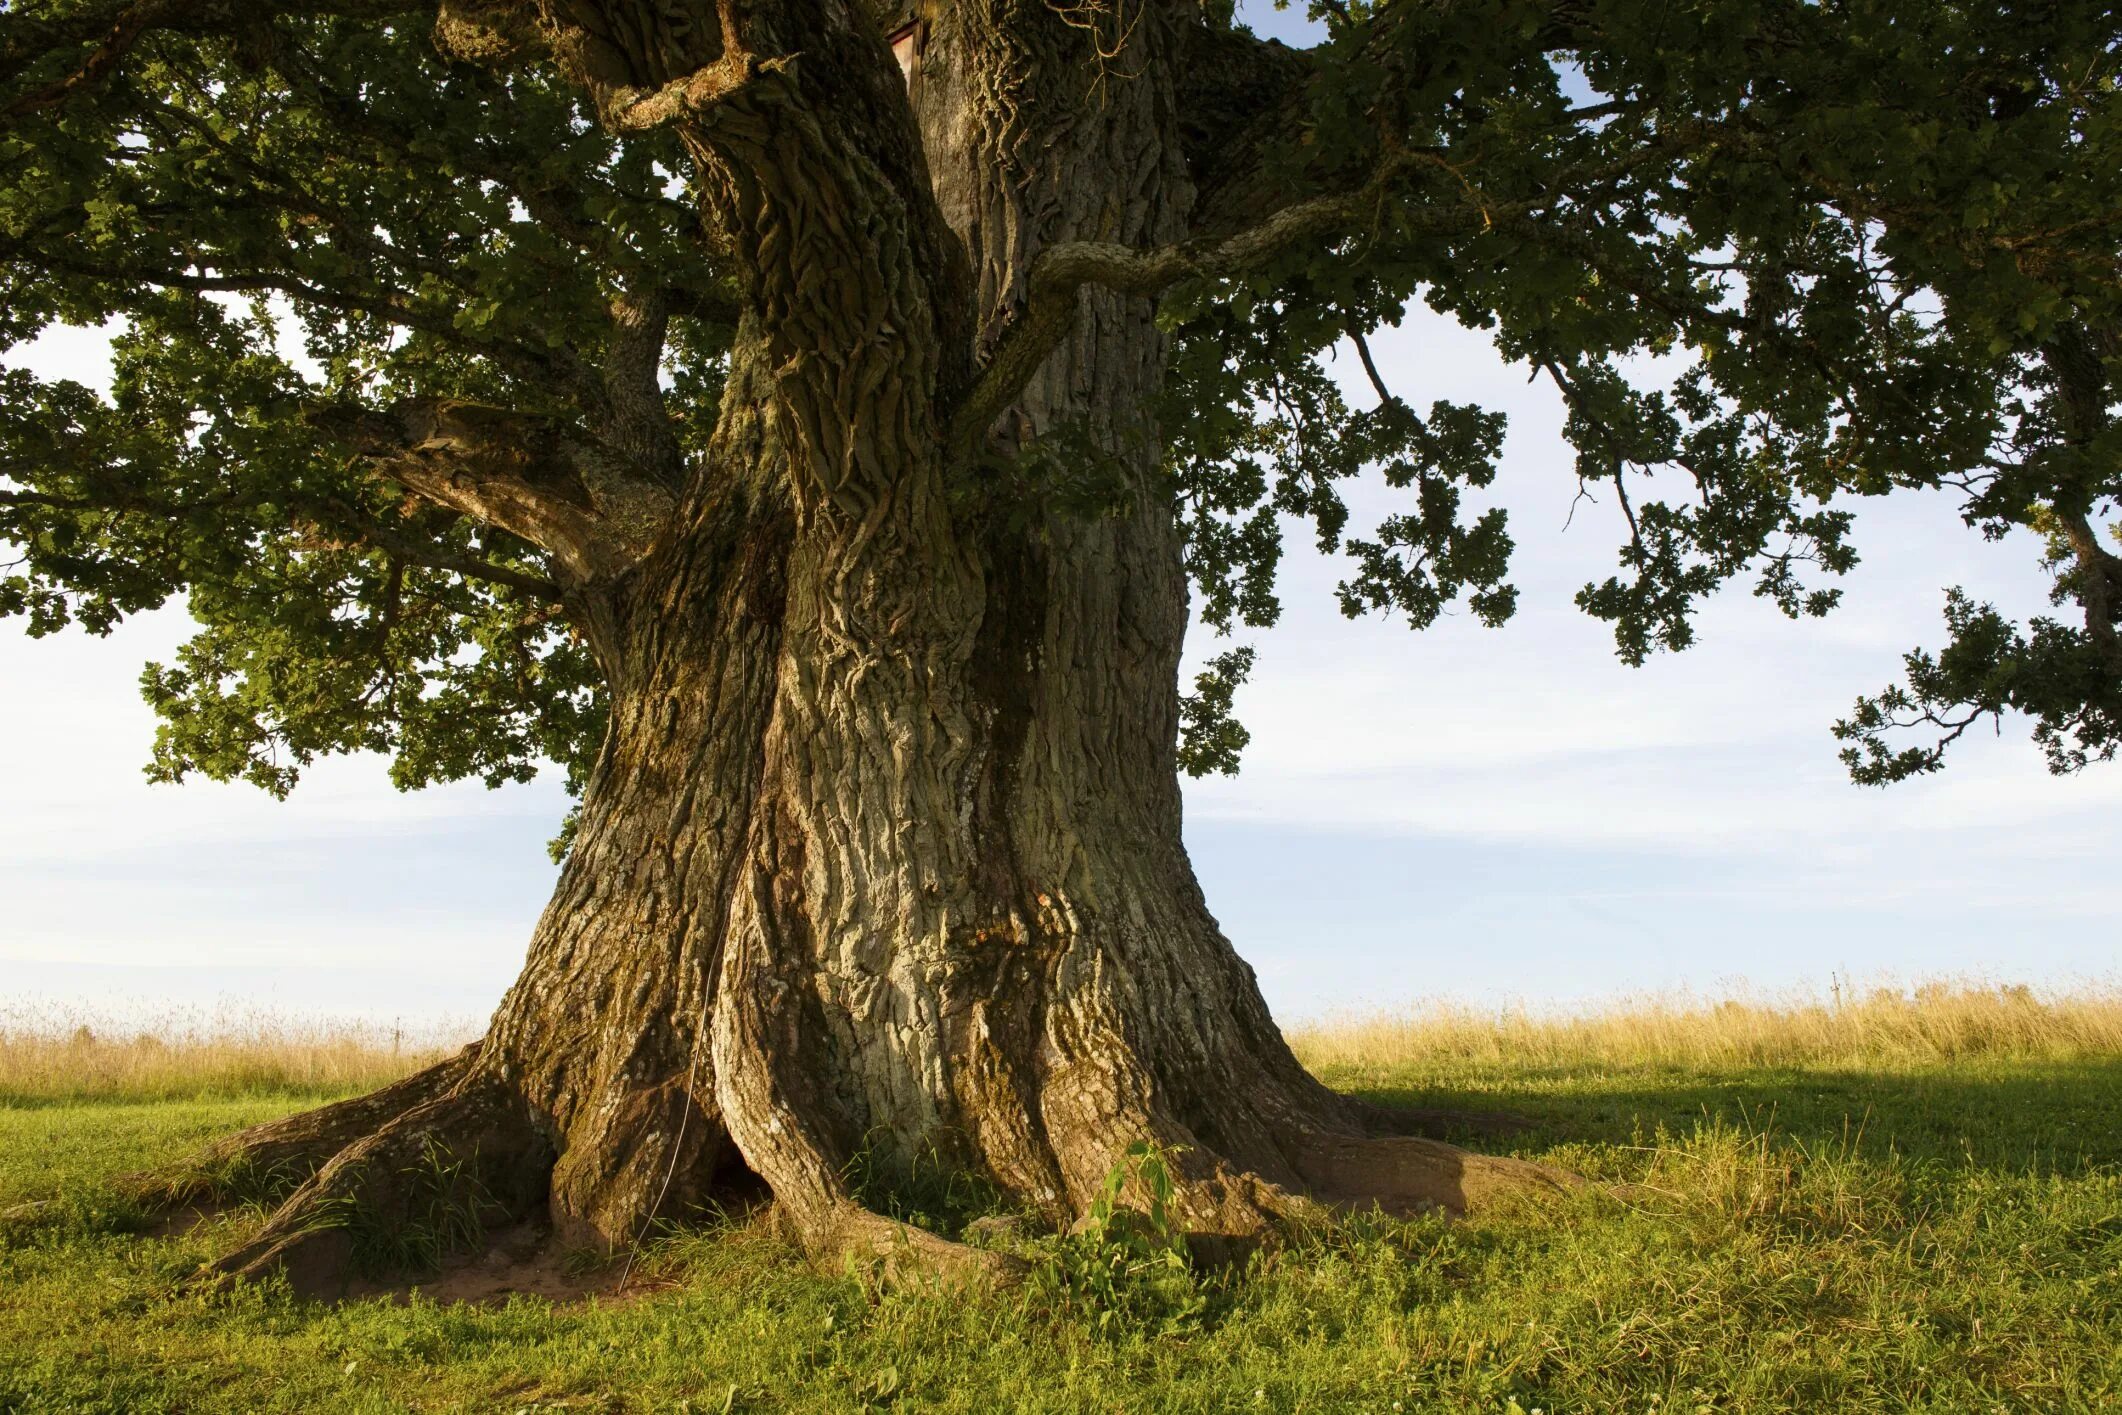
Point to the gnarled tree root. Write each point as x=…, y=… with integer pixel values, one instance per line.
x=279, y=1155
x=451, y=1165
x=430, y=1179
x=1227, y=1211
x=1408, y=1175
x=899, y=1254
x=398, y=1178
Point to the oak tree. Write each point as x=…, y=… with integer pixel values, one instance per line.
x=807, y=420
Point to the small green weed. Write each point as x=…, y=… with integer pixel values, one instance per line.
x=245, y=1179
x=1126, y=1267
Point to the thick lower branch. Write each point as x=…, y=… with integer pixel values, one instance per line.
x=526, y=475
x=1239, y=99
x=2098, y=581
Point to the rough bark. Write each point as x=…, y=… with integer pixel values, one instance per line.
x=883, y=854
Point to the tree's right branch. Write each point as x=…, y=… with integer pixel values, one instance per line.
x=1061, y=271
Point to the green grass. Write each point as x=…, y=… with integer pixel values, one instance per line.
x=1941, y=1235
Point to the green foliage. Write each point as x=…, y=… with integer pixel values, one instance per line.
x=438, y=1207
x=1210, y=738
x=2055, y=673
x=1774, y=258
x=314, y=213
x=928, y=1190
x=1125, y=1268
x=1064, y=472
x=244, y=1179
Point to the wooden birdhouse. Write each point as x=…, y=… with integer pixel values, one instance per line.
x=906, y=42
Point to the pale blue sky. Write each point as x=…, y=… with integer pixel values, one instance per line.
x=1486, y=815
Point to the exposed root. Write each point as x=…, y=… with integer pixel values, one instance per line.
x=427, y=1182
x=520, y=1260
x=268, y=1160
x=1227, y=1214
x=653, y=1152
x=899, y=1254
x=432, y=1179
x=1405, y=1175
x=405, y=1177
x=1267, y=1162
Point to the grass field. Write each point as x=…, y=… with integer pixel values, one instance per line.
x=1896, y=1202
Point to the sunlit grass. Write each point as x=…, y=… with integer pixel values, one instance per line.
x=1876, y=1203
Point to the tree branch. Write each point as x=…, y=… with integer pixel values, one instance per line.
x=1370, y=368
x=2075, y=360
x=1238, y=98
x=388, y=305
x=428, y=557
x=530, y=476
x=362, y=529
x=633, y=110
x=1577, y=404
x=1061, y=271
x=109, y=31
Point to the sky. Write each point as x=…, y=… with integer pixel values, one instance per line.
x=1493, y=817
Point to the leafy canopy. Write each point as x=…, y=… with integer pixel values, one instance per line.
x=1880, y=241
x=297, y=214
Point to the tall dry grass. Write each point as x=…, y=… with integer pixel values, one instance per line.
x=52, y=1056
x=1932, y=1022
x=57, y=1055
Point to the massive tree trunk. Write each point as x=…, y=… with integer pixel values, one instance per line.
x=882, y=856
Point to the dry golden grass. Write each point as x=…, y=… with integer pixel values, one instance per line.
x=1933, y=1022
x=50, y=1055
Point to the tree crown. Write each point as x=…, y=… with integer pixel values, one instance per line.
x=426, y=312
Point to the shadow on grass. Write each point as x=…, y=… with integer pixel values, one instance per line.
x=2004, y=1117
